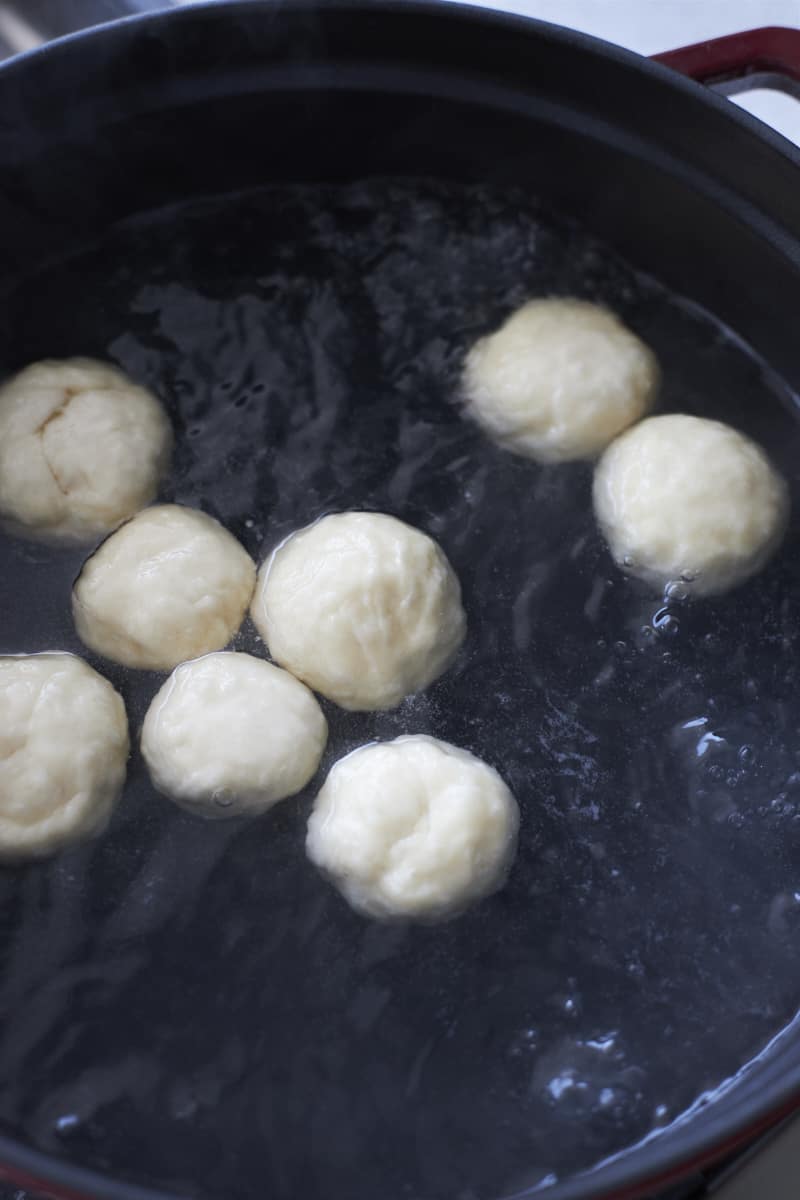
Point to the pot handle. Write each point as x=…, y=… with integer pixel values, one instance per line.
x=740, y=62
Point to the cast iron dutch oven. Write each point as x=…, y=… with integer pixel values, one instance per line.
x=291, y=221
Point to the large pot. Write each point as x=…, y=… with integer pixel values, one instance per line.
x=219, y=98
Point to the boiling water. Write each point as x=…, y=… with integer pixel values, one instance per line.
x=189, y=1003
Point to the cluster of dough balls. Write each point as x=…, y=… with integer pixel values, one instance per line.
x=359, y=606
x=63, y=752
x=362, y=607
x=679, y=499
x=82, y=448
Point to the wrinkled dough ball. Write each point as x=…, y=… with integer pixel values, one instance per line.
x=63, y=749
x=684, y=499
x=230, y=734
x=413, y=828
x=362, y=608
x=82, y=448
x=172, y=584
x=559, y=380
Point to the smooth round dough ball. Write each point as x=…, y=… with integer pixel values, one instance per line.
x=229, y=734
x=63, y=749
x=362, y=608
x=413, y=828
x=684, y=499
x=82, y=448
x=559, y=380
x=170, y=585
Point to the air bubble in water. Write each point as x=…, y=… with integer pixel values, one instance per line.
x=526, y=1042
x=710, y=741
x=604, y=1042
x=572, y=1006
x=675, y=592
x=67, y=1123
x=782, y=805
x=665, y=623
x=562, y=1085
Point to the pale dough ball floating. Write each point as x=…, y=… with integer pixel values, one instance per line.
x=362, y=607
x=170, y=585
x=229, y=734
x=63, y=749
x=682, y=498
x=413, y=828
x=559, y=380
x=82, y=448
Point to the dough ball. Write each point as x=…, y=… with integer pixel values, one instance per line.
x=363, y=608
x=172, y=584
x=413, y=828
x=82, y=448
x=684, y=498
x=63, y=748
x=230, y=734
x=559, y=380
